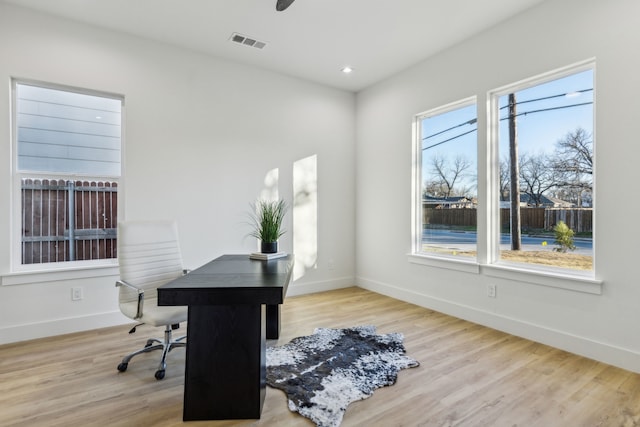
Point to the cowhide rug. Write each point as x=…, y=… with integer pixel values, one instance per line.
x=324, y=372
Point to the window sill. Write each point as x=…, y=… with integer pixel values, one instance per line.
x=555, y=278
x=54, y=274
x=466, y=264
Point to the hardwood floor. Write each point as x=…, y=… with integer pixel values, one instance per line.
x=469, y=376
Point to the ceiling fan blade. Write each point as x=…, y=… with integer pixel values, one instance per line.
x=283, y=4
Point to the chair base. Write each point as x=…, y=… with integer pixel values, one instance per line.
x=152, y=344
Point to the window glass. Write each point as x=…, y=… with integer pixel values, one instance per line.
x=546, y=173
x=66, y=132
x=68, y=147
x=447, y=148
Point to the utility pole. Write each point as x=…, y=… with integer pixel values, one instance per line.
x=515, y=175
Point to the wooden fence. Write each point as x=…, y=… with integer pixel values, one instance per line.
x=51, y=234
x=578, y=219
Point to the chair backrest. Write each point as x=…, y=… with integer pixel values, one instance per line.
x=149, y=256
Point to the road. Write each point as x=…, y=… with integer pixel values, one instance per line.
x=466, y=240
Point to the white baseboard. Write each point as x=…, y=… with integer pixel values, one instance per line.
x=50, y=328
x=321, y=286
x=606, y=353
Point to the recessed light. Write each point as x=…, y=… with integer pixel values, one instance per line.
x=347, y=70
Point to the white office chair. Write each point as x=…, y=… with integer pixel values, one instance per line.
x=149, y=256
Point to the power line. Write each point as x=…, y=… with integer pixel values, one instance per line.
x=450, y=139
x=524, y=113
x=473, y=121
x=550, y=97
x=468, y=122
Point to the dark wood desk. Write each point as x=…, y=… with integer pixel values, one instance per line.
x=234, y=305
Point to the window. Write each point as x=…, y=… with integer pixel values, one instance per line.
x=446, y=181
x=534, y=217
x=546, y=181
x=67, y=157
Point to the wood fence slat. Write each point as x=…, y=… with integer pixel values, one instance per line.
x=578, y=219
x=45, y=220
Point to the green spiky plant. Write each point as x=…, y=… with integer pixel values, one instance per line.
x=564, y=237
x=266, y=220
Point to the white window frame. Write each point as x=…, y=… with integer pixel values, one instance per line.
x=417, y=256
x=488, y=245
x=52, y=271
x=544, y=275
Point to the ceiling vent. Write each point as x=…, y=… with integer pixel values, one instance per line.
x=247, y=41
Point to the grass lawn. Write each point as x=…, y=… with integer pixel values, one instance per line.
x=551, y=258
x=556, y=259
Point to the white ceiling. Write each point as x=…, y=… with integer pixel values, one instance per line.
x=312, y=39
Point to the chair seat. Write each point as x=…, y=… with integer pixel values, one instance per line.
x=154, y=314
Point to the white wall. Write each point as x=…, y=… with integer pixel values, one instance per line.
x=552, y=35
x=202, y=133
x=200, y=136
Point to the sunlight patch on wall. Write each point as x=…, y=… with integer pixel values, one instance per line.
x=270, y=190
x=305, y=215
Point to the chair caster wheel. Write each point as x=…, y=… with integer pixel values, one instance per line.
x=160, y=374
x=123, y=367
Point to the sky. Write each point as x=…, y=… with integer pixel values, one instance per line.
x=538, y=131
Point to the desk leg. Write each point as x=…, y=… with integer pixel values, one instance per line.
x=225, y=373
x=273, y=321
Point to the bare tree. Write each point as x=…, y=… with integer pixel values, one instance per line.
x=536, y=177
x=569, y=194
x=573, y=164
x=504, y=179
x=574, y=159
x=435, y=188
x=446, y=175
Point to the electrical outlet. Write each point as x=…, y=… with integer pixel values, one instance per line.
x=491, y=291
x=76, y=294
x=331, y=264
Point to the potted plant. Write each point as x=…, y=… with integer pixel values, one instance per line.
x=266, y=220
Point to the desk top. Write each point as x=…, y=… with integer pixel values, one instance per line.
x=231, y=279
